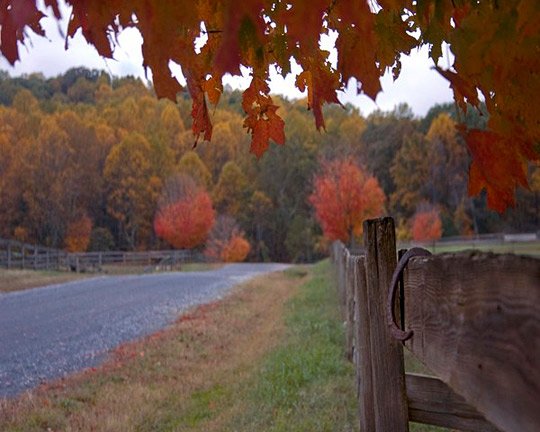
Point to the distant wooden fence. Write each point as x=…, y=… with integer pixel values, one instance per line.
x=504, y=241
x=17, y=255
x=472, y=318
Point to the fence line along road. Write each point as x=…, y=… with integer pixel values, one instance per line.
x=499, y=241
x=473, y=319
x=18, y=255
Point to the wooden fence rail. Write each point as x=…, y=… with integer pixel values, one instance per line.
x=17, y=255
x=475, y=323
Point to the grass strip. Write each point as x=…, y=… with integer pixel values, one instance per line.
x=17, y=280
x=214, y=369
x=305, y=384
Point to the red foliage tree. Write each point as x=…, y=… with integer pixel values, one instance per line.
x=343, y=197
x=78, y=234
x=236, y=250
x=226, y=241
x=427, y=225
x=185, y=215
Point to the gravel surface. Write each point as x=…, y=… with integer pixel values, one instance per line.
x=46, y=333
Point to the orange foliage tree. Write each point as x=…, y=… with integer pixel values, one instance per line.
x=501, y=63
x=227, y=242
x=78, y=234
x=185, y=215
x=427, y=225
x=343, y=197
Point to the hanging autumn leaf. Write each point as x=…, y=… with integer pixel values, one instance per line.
x=494, y=45
x=15, y=16
x=262, y=121
x=498, y=175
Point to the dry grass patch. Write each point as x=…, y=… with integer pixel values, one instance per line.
x=172, y=380
x=16, y=280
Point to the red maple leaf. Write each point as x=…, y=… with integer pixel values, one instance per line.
x=15, y=16
x=497, y=166
x=262, y=121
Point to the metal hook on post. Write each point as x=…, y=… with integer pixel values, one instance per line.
x=396, y=332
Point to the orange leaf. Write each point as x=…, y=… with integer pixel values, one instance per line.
x=262, y=129
x=497, y=167
x=304, y=22
x=199, y=111
x=213, y=88
x=95, y=23
x=244, y=25
x=321, y=83
x=14, y=17
x=356, y=58
x=262, y=121
x=462, y=89
x=165, y=85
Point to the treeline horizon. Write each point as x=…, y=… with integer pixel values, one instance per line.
x=85, y=146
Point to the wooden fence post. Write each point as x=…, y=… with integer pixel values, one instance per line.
x=349, y=306
x=363, y=348
x=342, y=283
x=388, y=375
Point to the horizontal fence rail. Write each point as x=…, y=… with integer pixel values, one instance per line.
x=14, y=254
x=500, y=241
x=472, y=318
x=17, y=255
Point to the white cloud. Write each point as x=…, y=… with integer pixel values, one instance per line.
x=419, y=85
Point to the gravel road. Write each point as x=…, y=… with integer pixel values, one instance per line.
x=46, y=333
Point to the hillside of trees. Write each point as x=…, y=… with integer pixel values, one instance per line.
x=84, y=155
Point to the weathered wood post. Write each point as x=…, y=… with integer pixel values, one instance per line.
x=388, y=376
x=342, y=283
x=349, y=306
x=363, y=347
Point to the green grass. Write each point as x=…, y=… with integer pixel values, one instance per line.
x=305, y=384
x=523, y=248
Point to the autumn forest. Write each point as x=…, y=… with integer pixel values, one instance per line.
x=93, y=163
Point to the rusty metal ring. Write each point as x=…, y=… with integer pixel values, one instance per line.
x=397, y=333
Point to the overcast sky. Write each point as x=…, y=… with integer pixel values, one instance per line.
x=418, y=85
